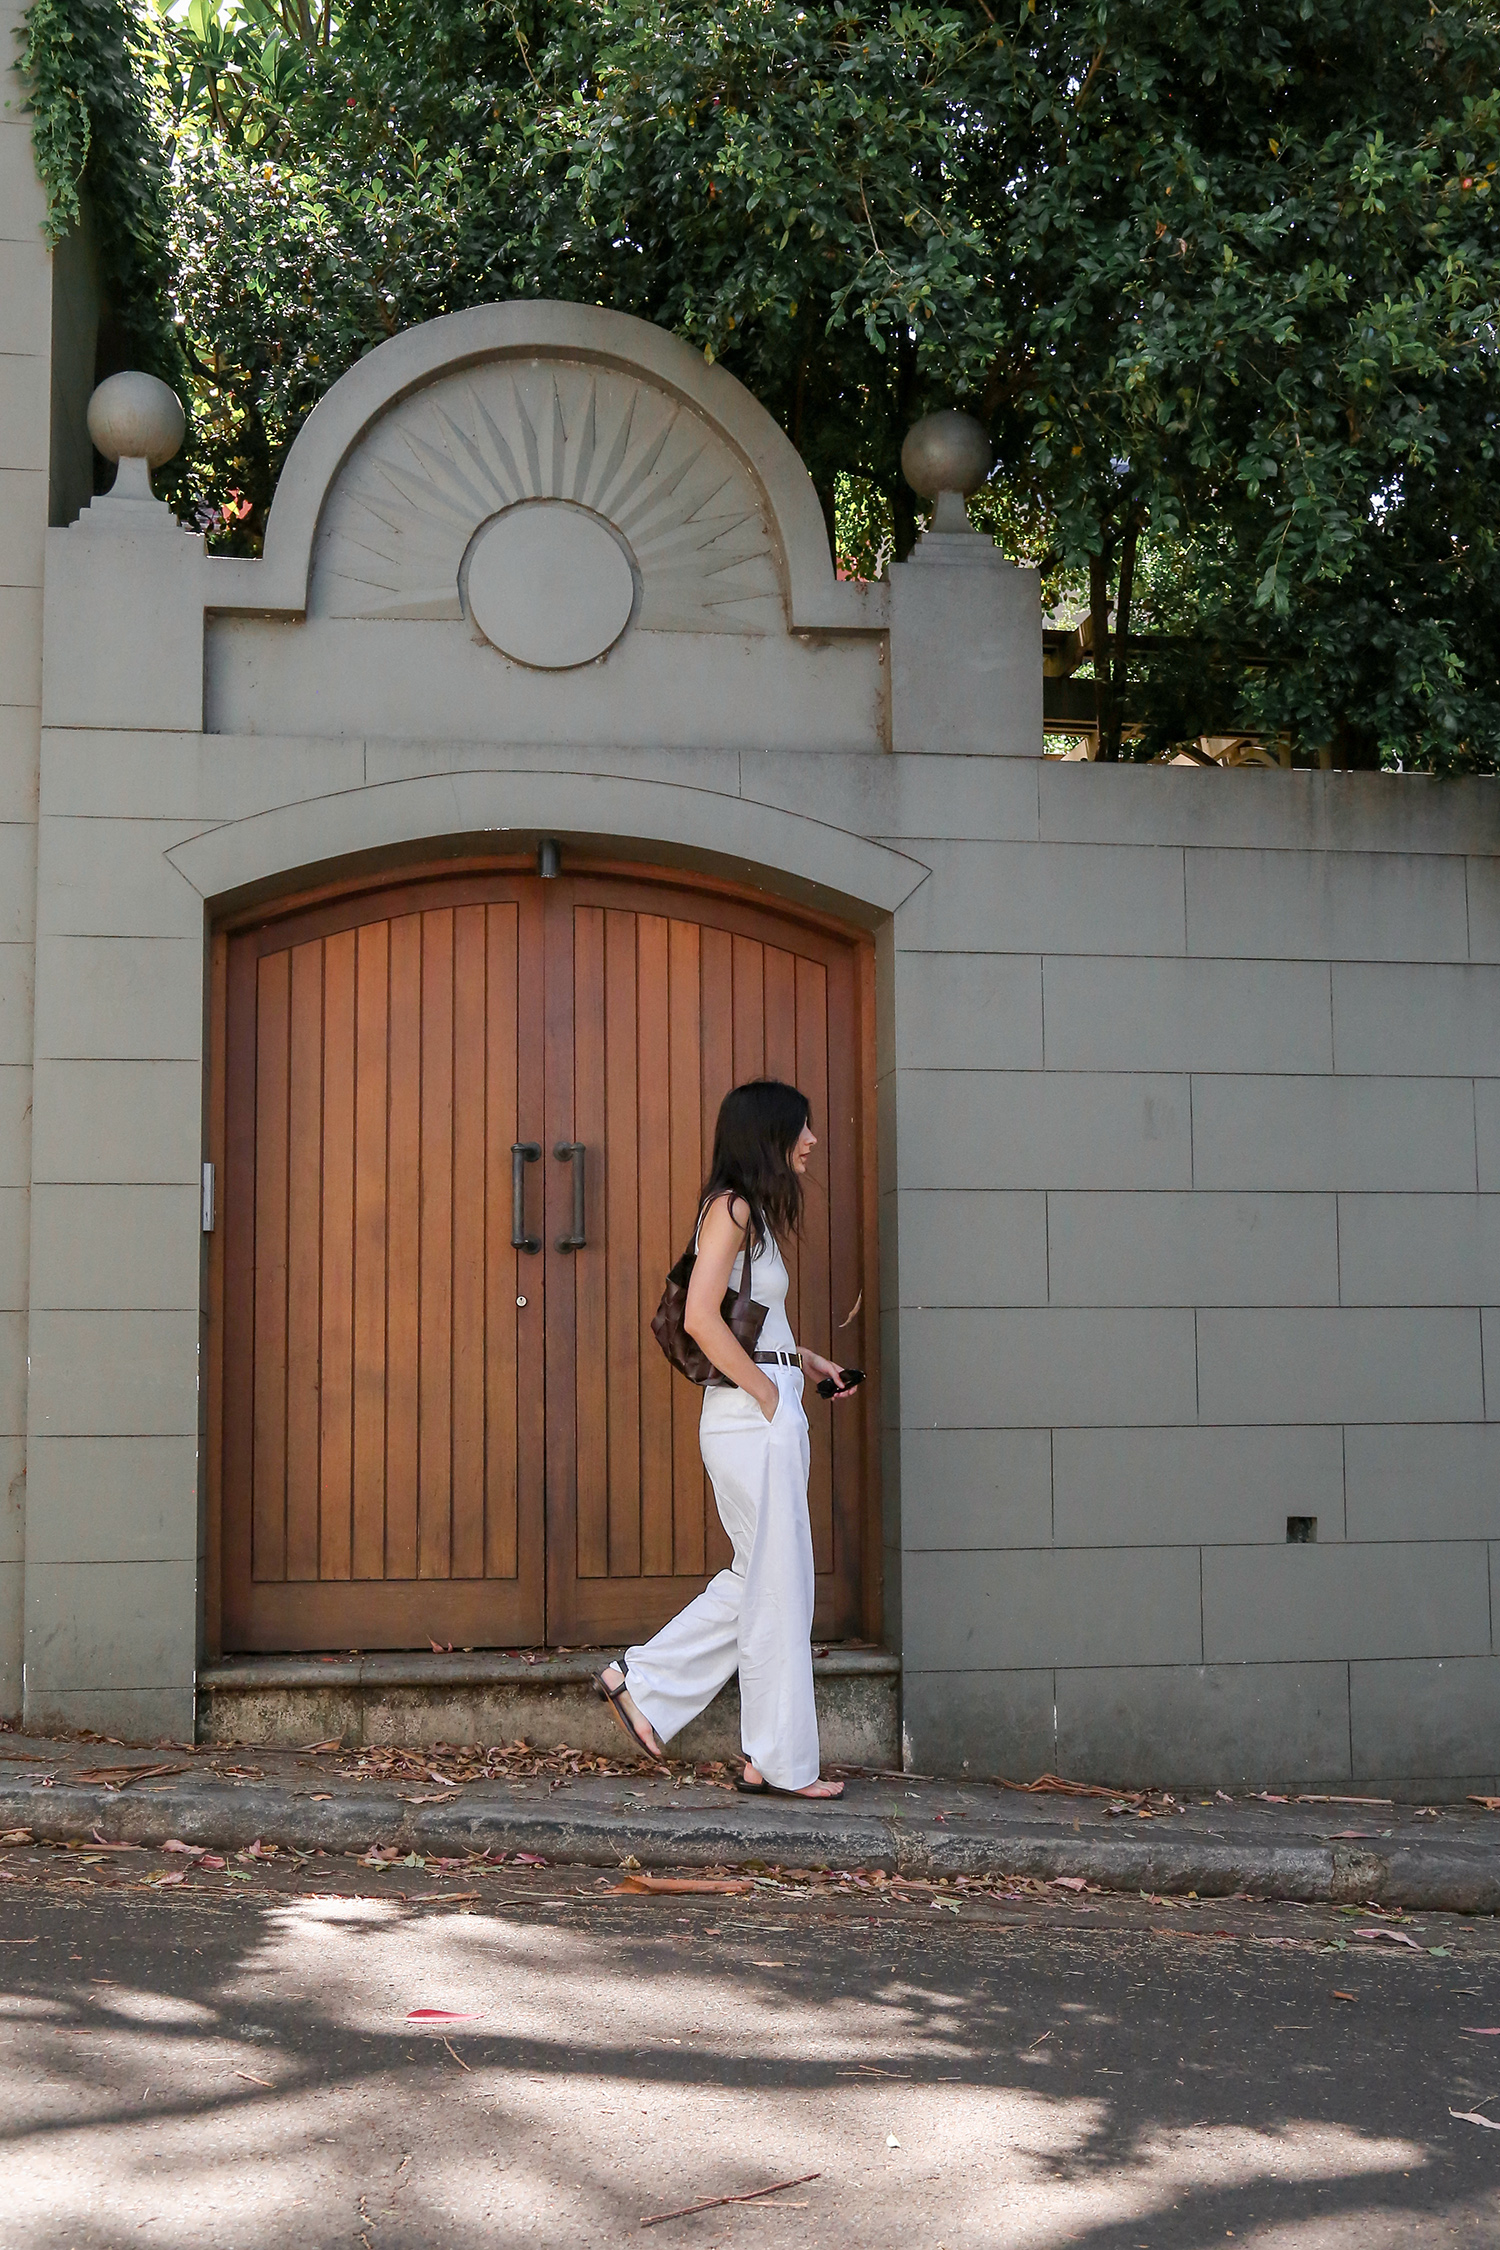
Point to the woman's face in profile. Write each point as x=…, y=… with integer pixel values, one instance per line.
x=807, y=1141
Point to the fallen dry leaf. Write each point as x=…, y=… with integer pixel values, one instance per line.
x=684, y=1885
x=1392, y=1937
x=437, y=2015
x=1472, y=2117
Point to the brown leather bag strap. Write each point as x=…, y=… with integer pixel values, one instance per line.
x=742, y=1294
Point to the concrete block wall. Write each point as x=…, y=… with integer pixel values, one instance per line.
x=115, y=1544
x=1196, y=1094
x=1189, y=1110
x=25, y=384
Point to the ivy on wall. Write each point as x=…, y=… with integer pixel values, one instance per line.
x=85, y=65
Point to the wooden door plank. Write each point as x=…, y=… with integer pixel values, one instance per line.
x=715, y=1028
x=656, y=1251
x=470, y=1018
x=478, y=1613
x=749, y=1010
x=590, y=1317
x=372, y=1033
x=716, y=1037
x=304, y=1242
x=850, y=1279
x=403, y=1246
x=530, y=1277
x=812, y=1031
x=781, y=1014
x=689, y=1163
x=435, y=1314
x=564, y=1374
x=781, y=1062
x=618, y=1247
x=273, y=1001
x=336, y=1293
x=502, y=1264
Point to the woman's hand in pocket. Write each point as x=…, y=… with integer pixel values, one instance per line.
x=768, y=1398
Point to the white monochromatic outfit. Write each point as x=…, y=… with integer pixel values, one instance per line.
x=757, y=1615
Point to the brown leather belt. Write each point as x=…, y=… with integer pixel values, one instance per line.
x=777, y=1359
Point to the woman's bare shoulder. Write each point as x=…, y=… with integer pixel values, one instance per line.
x=733, y=1206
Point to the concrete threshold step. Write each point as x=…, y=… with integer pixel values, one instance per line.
x=410, y=1699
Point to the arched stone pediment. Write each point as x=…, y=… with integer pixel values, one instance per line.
x=428, y=492
x=428, y=451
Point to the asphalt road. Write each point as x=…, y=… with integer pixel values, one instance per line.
x=231, y=2061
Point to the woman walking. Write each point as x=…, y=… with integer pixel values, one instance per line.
x=755, y=1617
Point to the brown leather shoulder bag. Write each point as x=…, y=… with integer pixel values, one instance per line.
x=742, y=1316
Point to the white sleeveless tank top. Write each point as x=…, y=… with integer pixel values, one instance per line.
x=769, y=1282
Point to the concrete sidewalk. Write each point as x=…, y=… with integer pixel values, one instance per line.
x=593, y=1812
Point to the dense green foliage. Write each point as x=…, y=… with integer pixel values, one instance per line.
x=1221, y=276
x=86, y=65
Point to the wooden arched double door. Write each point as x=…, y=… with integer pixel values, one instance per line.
x=464, y=1122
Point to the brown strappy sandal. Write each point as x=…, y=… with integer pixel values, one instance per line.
x=615, y=1698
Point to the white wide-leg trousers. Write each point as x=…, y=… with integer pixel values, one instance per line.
x=755, y=1617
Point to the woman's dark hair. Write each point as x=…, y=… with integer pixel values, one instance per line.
x=759, y=1126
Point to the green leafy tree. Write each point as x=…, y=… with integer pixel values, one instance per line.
x=1220, y=277
x=87, y=67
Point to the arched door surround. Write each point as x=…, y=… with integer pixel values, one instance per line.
x=464, y=1121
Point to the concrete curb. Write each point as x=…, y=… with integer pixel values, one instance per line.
x=1450, y=1877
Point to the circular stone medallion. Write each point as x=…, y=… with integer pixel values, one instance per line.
x=549, y=584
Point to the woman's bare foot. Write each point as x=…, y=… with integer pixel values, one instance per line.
x=753, y=1776
x=640, y=1726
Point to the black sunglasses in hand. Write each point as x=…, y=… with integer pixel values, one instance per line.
x=848, y=1377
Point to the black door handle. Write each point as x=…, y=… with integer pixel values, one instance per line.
x=574, y=1153
x=522, y=1153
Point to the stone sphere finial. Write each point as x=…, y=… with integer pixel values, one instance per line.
x=135, y=418
x=947, y=452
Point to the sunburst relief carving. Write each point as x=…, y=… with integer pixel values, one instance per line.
x=404, y=508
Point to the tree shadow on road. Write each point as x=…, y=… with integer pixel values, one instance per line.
x=247, y=2071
